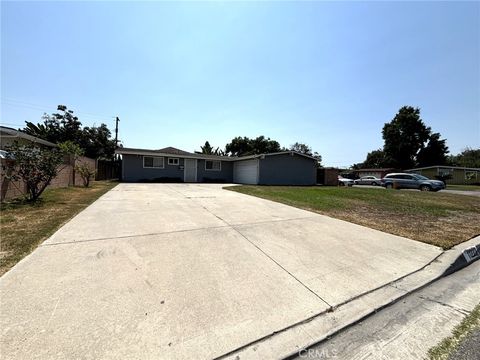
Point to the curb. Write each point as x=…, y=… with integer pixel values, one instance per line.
x=468, y=256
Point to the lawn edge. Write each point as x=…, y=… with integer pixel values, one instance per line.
x=45, y=238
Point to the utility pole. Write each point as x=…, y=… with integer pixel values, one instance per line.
x=116, y=131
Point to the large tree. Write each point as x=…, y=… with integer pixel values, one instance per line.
x=404, y=137
x=64, y=126
x=240, y=146
x=434, y=153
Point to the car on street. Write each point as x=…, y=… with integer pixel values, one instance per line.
x=345, y=181
x=411, y=181
x=368, y=180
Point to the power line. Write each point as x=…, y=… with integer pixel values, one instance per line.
x=20, y=103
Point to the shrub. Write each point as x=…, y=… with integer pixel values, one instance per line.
x=35, y=166
x=86, y=173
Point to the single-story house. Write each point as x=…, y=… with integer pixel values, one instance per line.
x=378, y=172
x=458, y=175
x=171, y=164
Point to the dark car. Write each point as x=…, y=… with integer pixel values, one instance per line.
x=368, y=180
x=411, y=181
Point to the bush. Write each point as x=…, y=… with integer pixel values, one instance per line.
x=86, y=173
x=33, y=165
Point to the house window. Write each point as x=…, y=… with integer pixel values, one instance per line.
x=470, y=175
x=213, y=165
x=153, y=162
x=173, y=161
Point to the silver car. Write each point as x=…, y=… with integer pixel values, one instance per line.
x=368, y=180
x=411, y=181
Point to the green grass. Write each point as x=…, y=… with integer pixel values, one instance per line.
x=464, y=187
x=435, y=218
x=23, y=225
x=447, y=346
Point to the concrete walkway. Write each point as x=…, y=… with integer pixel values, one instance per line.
x=168, y=271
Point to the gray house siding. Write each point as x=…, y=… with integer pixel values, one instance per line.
x=224, y=175
x=286, y=169
x=133, y=170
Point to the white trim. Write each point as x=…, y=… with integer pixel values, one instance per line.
x=220, y=169
x=173, y=158
x=153, y=167
x=185, y=169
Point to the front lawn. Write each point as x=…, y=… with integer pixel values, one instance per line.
x=23, y=226
x=434, y=218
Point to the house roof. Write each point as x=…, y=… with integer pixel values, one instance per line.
x=375, y=169
x=444, y=167
x=173, y=151
x=169, y=151
x=8, y=132
x=273, y=154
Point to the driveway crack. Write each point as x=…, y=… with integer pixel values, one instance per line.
x=262, y=251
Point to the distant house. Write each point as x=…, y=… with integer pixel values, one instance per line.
x=379, y=172
x=459, y=175
x=171, y=164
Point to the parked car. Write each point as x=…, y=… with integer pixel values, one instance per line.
x=411, y=181
x=368, y=180
x=344, y=181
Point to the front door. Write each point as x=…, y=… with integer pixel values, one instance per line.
x=190, y=170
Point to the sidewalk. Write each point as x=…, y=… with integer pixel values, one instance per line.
x=410, y=327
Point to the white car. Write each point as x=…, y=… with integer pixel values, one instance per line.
x=344, y=181
x=368, y=180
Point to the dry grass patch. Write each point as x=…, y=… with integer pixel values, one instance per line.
x=439, y=219
x=23, y=225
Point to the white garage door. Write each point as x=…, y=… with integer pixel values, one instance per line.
x=245, y=172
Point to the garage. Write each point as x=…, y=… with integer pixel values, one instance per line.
x=245, y=172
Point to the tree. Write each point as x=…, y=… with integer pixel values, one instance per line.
x=244, y=146
x=376, y=159
x=307, y=150
x=434, y=153
x=404, y=137
x=65, y=126
x=467, y=158
x=207, y=148
x=86, y=173
x=35, y=166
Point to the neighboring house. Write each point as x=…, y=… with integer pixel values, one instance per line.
x=459, y=175
x=171, y=164
x=9, y=135
x=379, y=173
x=10, y=189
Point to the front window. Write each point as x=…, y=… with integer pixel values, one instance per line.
x=173, y=161
x=153, y=162
x=213, y=165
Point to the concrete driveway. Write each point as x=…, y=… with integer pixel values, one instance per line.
x=154, y=271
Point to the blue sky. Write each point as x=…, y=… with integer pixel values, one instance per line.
x=328, y=74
